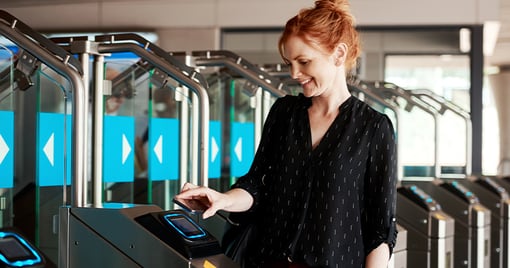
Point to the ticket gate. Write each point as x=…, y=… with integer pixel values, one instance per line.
x=493, y=196
x=136, y=236
x=430, y=230
x=472, y=221
x=399, y=258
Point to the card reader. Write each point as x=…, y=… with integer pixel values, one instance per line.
x=178, y=230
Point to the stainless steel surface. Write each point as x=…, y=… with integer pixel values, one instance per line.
x=249, y=71
x=97, y=131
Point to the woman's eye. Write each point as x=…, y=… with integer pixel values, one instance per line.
x=304, y=62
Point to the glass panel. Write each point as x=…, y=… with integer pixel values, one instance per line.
x=235, y=107
x=169, y=145
x=125, y=120
x=6, y=135
x=53, y=155
x=143, y=123
x=449, y=80
x=34, y=111
x=218, y=91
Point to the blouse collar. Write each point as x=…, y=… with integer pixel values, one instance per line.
x=306, y=102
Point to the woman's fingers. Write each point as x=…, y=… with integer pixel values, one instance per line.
x=188, y=186
x=209, y=212
x=207, y=196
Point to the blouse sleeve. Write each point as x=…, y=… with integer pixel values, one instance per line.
x=253, y=181
x=380, y=188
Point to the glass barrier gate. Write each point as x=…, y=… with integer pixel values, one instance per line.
x=147, y=101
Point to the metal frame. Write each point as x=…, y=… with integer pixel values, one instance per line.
x=428, y=95
x=66, y=65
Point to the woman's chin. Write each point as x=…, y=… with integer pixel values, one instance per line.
x=308, y=93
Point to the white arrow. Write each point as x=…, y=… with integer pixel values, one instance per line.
x=4, y=149
x=126, y=149
x=158, y=149
x=238, y=149
x=49, y=149
x=214, y=149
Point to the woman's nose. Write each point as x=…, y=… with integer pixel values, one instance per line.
x=294, y=72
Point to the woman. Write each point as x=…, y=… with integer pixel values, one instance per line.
x=323, y=181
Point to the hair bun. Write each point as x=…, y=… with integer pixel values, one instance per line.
x=340, y=6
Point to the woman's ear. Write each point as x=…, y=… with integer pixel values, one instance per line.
x=340, y=54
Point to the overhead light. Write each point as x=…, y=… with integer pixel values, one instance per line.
x=490, y=37
x=465, y=40
x=446, y=57
x=491, y=70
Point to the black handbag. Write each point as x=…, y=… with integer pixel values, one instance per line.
x=238, y=237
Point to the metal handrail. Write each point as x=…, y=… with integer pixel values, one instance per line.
x=64, y=64
x=156, y=50
x=448, y=105
x=246, y=69
x=43, y=42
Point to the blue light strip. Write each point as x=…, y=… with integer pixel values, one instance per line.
x=20, y=263
x=202, y=234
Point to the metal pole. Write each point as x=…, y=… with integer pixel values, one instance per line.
x=97, y=150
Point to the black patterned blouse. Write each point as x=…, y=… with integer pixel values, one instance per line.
x=328, y=206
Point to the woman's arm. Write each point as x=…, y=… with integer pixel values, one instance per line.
x=379, y=257
x=381, y=195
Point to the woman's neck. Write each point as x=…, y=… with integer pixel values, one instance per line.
x=328, y=104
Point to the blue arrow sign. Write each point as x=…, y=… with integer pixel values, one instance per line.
x=6, y=149
x=118, y=149
x=163, y=149
x=241, y=148
x=51, y=143
x=214, y=149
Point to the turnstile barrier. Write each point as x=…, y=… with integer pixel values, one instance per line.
x=429, y=229
x=495, y=197
x=472, y=221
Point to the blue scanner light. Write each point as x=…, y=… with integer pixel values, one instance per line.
x=185, y=226
x=15, y=251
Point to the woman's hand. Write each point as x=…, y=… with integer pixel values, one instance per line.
x=212, y=199
x=233, y=200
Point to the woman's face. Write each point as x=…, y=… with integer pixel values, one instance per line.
x=313, y=68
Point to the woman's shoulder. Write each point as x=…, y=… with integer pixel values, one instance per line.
x=361, y=106
x=367, y=112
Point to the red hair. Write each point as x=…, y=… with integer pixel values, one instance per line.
x=326, y=25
